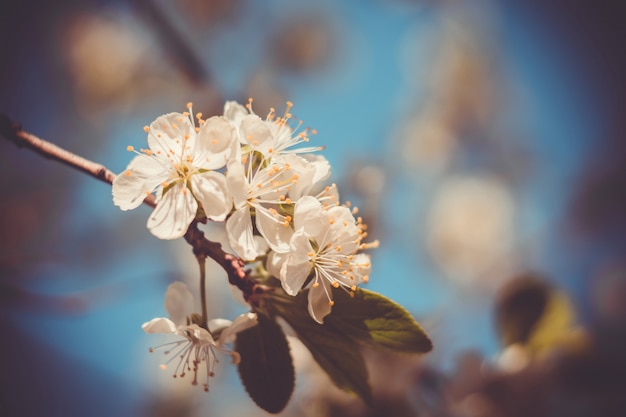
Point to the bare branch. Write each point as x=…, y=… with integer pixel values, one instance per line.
x=202, y=247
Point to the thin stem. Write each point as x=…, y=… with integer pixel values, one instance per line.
x=202, y=264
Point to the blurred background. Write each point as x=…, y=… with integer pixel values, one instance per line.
x=482, y=141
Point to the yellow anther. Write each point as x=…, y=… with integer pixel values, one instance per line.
x=259, y=185
x=288, y=218
x=199, y=115
x=366, y=278
x=316, y=284
x=344, y=272
x=146, y=129
x=314, y=132
x=186, y=136
x=189, y=105
x=353, y=288
x=355, y=210
x=338, y=248
x=174, y=125
x=339, y=263
x=351, y=294
x=128, y=173
x=281, y=198
x=288, y=201
x=310, y=254
x=270, y=150
x=130, y=148
x=214, y=142
x=186, y=113
x=331, y=303
x=164, y=184
x=335, y=284
x=332, y=220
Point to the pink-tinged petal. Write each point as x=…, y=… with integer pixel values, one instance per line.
x=211, y=190
x=143, y=175
x=214, y=143
x=239, y=229
x=173, y=213
x=241, y=323
x=178, y=302
x=273, y=229
x=319, y=305
x=159, y=325
x=256, y=133
x=237, y=183
x=168, y=132
x=309, y=216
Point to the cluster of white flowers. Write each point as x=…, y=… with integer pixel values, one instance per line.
x=248, y=172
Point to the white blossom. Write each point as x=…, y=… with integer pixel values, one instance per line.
x=198, y=347
x=323, y=254
x=180, y=167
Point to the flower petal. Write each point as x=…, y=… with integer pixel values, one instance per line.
x=273, y=229
x=178, y=302
x=141, y=177
x=173, y=213
x=319, y=305
x=234, y=112
x=214, y=143
x=159, y=325
x=309, y=216
x=239, y=229
x=256, y=133
x=241, y=323
x=274, y=263
x=211, y=190
x=237, y=183
x=297, y=266
x=168, y=132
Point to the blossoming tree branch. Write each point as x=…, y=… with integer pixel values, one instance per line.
x=296, y=252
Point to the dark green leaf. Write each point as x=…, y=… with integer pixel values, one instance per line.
x=266, y=369
x=372, y=318
x=336, y=353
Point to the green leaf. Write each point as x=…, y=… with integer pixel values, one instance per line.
x=374, y=319
x=266, y=368
x=336, y=353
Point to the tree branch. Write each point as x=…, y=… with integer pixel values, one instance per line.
x=233, y=265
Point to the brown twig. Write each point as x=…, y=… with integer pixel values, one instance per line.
x=202, y=247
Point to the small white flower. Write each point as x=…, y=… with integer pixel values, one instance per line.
x=273, y=137
x=180, y=167
x=198, y=346
x=323, y=254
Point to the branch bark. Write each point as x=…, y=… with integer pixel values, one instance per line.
x=233, y=265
